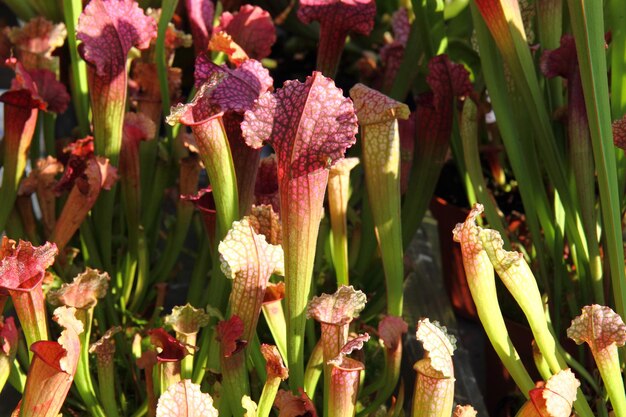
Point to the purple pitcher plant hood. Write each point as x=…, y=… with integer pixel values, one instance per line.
x=310, y=125
x=236, y=94
x=108, y=30
x=553, y=398
x=200, y=14
x=378, y=115
x=251, y=28
x=434, y=388
x=52, y=368
x=435, y=115
x=604, y=331
x=22, y=270
x=184, y=399
x=337, y=18
x=391, y=54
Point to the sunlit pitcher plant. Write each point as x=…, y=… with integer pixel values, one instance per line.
x=217, y=204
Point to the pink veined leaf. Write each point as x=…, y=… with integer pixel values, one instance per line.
x=401, y=26
x=171, y=349
x=310, y=125
x=291, y=406
x=391, y=329
x=229, y=334
x=83, y=292
x=249, y=260
x=252, y=28
x=439, y=345
x=274, y=362
x=24, y=267
x=338, y=308
x=556, y=397
x=239, y=87
x=200, y=14
x=598, y=326
x=356, y=343
x=108, y=29
x=185, y=399
x=447, y=80
x=373, y=107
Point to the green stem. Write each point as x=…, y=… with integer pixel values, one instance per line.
x=49, y=120
x=80, y=96
x=82, y=379
x=168, y=7
x=268, y=396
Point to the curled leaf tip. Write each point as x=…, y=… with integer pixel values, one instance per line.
x=249, y=405
x=374, y=107
x=242, y=242
x=274, y=362
x=290, y=405
x=184, y=399
x=23, y=267
x=229, y=334
x=83, y=292
x=201, y=107
x=237, y=88
x=599, y=326
x=438, y=344
x=105, y=346
x=187, y=319
x=252, y=28
x=556, y=397
x=356, y=343
x=310, y=125
x=492, y=240
x=109, y=29
x=138, y=127
x=391, y=329
x=467, y=232
x=66, y=318
x=338, y=308
x=170, y=349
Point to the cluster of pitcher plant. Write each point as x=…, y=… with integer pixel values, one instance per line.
x=261, y=196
